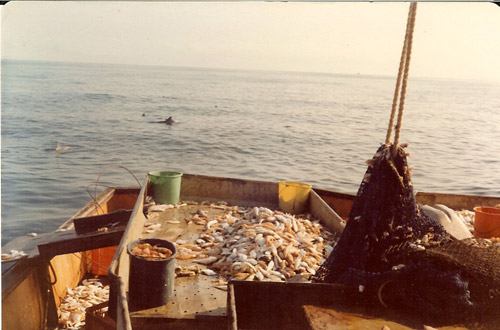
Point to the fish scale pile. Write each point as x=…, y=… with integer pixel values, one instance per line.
x=72, y=309
x=259, y=244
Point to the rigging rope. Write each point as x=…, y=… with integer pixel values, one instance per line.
x=398, y=81
x=404, y=66
x=99, y=177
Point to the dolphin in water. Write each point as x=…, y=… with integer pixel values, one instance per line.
x=168, y=121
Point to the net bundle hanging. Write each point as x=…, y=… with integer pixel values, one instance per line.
x=401, y=256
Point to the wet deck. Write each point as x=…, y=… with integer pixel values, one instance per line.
x=195, y=297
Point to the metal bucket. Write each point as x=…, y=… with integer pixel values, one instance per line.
x=151, y=282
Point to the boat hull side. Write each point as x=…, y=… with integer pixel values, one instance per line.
x=25, y=307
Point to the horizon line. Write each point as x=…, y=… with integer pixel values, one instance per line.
x=357, y=74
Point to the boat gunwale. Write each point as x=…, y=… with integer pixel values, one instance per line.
x=14, y=275
x=11, y=281
x=117, y=284
x=102, y=198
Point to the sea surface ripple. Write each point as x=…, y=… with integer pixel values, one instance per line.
x=308, y=127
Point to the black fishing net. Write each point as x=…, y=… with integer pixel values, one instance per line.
x=393, y=250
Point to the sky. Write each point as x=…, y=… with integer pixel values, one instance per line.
x=456, y=40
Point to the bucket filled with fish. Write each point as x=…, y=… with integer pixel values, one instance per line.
x=152, y=272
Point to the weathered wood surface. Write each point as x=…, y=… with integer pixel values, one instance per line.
x=24, y=309
x=118, y=218
x=110, y=200
x=24, y=283
x=318, y=306
x=55, y=243
x=30, y=244
x=340, y=202
x=232, y=318
x=321, y=210
x=70, y=242
x=119, y=268
x=274, y=305
x=456, y=202
x=70, y=270
x=235, y=191
x=321, y=318
x=326, y=318
x=21, y=268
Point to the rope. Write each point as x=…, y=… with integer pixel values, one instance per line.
x=402, y=79
x=398, y=81
x=94, y=198
x=413, y=13
x=99, y=177
x=87, y=259
x=53, y=273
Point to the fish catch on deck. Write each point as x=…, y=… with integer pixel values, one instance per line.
x=72, y=309
x=257, y=244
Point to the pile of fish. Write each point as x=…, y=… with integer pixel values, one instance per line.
x=72, y=309
x=149, y=252
x=258, y=244
x=495, y=241
x=467, y=218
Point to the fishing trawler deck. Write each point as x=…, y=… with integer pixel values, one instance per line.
x=200, y=300
x=197, y=302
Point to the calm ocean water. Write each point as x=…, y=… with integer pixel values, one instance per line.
x=315, y=128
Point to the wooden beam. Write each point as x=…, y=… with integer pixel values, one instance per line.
x=110, y=220
x=70, y=242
